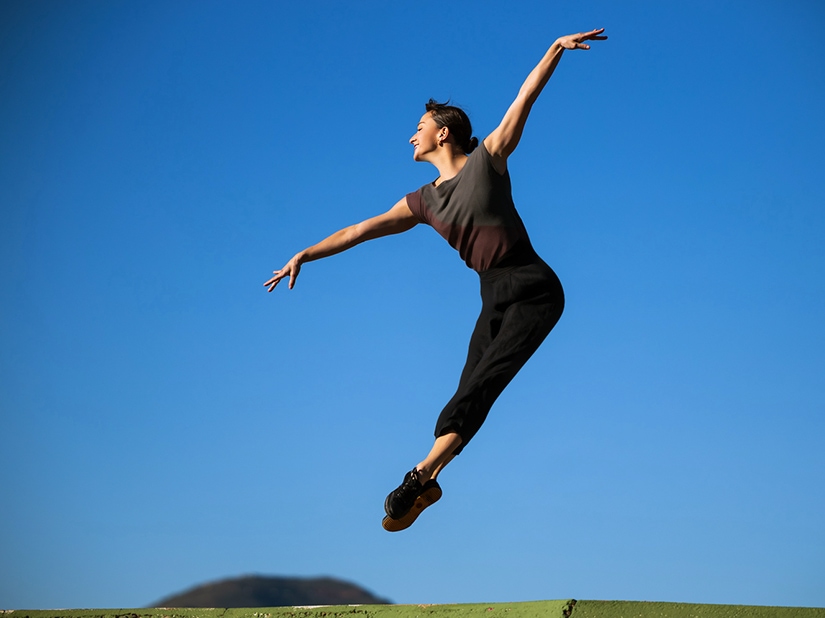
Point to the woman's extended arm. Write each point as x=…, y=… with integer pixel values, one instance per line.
x=503, y=141
x=397, y=219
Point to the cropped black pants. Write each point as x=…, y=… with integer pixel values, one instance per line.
x=522, y=300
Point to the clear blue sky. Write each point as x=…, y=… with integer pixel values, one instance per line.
x=165, y=422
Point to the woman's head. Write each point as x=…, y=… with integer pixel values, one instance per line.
x=457, y=123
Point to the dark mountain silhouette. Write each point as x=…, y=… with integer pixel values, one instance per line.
x=259, y=591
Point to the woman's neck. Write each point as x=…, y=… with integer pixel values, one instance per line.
x=448, y=164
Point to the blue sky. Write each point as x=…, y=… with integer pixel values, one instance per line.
x=165, y=422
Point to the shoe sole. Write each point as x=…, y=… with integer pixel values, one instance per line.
x=428, y=498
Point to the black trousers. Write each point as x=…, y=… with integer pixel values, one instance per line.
x=522, y=300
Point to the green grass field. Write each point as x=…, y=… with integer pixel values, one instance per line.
x=535, y=609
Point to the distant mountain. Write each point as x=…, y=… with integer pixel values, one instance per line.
x=259, y=591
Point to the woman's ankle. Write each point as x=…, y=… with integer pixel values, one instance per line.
x=422, y=473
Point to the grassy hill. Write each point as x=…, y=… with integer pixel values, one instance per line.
x=269, y=591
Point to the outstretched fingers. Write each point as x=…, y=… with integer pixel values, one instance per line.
x=290, y=270
x=270, y=284
x=595, y=35
x=576, y=41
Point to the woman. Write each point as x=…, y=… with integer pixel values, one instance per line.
x=471, y=206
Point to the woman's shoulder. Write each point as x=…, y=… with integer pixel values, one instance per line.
x=483, y=161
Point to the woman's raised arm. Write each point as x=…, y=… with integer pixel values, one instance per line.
x=503, y=141
x=397, y=219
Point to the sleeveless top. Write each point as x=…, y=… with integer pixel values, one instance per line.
x=474, y=212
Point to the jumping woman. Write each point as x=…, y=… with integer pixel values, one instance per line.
x=470, y=204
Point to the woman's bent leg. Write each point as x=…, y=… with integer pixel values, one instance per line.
x=522, y=328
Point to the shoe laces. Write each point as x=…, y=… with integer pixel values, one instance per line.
x=411, y=484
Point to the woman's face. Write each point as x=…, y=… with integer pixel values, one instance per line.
x=425, y=139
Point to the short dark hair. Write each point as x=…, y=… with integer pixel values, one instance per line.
x=456, y=120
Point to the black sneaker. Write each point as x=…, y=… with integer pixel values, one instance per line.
x=405, y=504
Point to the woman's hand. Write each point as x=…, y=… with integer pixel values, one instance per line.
x=574, y=41
x=291, y=270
